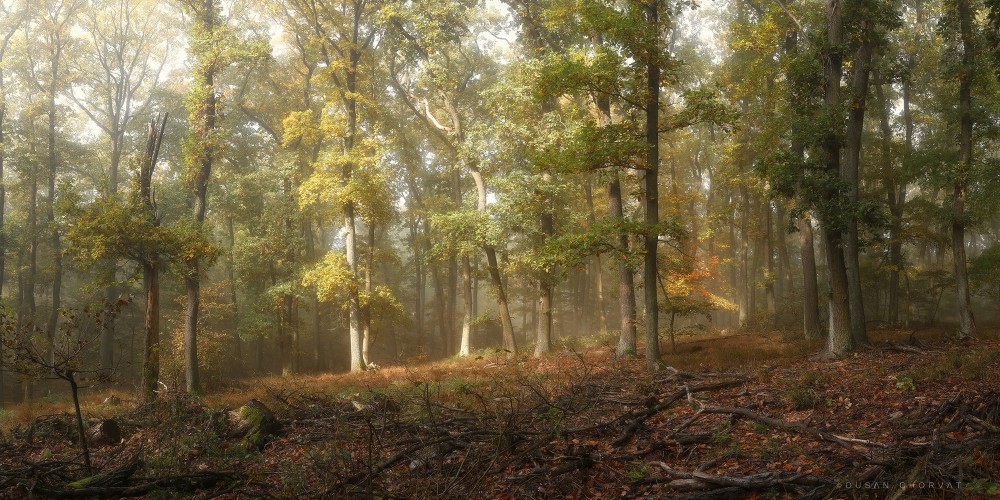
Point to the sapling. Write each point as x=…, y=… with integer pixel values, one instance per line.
x=64, y=357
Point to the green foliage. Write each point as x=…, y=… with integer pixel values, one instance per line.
x=383, y=305
x=331, y=277
x=803, y=398
x=904, y=383
x=112, y=227
x=984, y=272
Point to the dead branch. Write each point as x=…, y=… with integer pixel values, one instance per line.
x=639, y=419
x=798, y=427
x=755, y=482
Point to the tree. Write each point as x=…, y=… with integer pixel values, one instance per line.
x=62, y=357
x=451, y=65
x=344, y=38
x=116, y=81
x=840, y=339
x=652, y=194
x=215, y=46
x=966, y=75
x=115, y=227
x=51, y=25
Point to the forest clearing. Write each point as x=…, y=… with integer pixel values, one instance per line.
x=750, y=414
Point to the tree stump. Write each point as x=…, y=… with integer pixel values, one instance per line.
x=104, y=433
x=255, y=423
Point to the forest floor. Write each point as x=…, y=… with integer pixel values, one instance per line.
x=742, y=415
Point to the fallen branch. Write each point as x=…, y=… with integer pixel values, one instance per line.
x=582, y=462
x=188, y=482
x=684, y=392
x=845, y=442
x=754, y=482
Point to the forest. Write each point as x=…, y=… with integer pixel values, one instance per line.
x=530, y=248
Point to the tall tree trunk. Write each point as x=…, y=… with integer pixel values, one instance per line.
x=238, y=367
x=366, y=312
x=652, y=200
x=107, y=340
x=602, y=320
x=807, y=248
x=438, y=345
x=3, y=207
x=626, y=286
x=769, y=288
x=192, y=279
x=543, y=341
x=896, y=241
x=350, y=231
x=50, y=213
x=851, y=175
x=419, y=282
x=28, y=294
x=891, y=179
x=746, y=277
x=810, y=284
x=151, y=324
x=966, y=320
x=840, y=340
x=464, y=348
x=317, y=323
x=503, y=308
x=150, y=267
x=616, y=212
x=784, y=276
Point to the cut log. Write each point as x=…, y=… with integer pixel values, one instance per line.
x=104, y=433
x=254, y=423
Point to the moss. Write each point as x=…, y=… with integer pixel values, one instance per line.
x=257, y=423
x=83, y=483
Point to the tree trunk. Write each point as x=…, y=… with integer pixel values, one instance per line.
x=50, y=213
x=652, y=215
x=602, y=320
x=419, y=283
x=237, y=360
x=151, y=356
x=810, y=284
x=896, y=235
x=366, y=312
x=350, y=236
x=784, y=260
x=107, y=339
x=543, y=341
x=509, y=342
x=966, y=320
x=891, y=180
x=503, y=308
x=840, y=340
x=745, y=279
x=464, y=348
x=438, y=347
x=770, y=279
x=192, y=280
x=150, y=267
x=851, y=175
x=3, y=207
